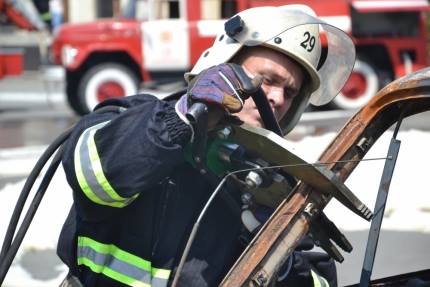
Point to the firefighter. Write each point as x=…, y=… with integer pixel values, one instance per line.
x=136, y=197
x=42, y=7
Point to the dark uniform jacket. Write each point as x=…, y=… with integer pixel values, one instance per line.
x=136, y=199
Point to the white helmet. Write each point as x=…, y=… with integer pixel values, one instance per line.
x=294, y=31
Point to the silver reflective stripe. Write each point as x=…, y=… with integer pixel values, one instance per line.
x=119, y=264
x=115, y=264
x=89, y=172
x=157, y=282
x=87, y=169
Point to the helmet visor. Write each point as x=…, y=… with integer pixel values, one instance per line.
x=333, y=71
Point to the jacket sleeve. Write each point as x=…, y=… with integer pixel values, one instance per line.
x=111, y=157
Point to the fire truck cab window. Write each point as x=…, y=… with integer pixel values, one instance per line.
x=166, y=9
x=217, y=9
x=393, y=24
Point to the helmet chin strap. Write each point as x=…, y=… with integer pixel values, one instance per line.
x=298, y=106
x=266, y=113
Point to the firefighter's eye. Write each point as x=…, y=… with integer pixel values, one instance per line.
x=267, y=81
x=290, y=93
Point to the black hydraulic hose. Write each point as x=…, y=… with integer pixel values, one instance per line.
x=10, y=244
x=33, y=176
x=27, y=188
x=11, y=252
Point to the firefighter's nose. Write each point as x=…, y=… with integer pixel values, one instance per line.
x=276, y=98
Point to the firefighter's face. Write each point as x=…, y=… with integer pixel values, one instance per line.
x=282, y=79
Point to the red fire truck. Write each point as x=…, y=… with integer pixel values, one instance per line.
x=113, y=57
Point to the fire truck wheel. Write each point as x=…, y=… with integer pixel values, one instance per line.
x=105, y=81
x=361, y=86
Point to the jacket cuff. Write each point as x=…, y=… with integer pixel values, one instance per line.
x=179, y=131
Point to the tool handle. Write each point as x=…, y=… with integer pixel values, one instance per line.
x=197, y=114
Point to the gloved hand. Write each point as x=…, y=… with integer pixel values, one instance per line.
x=305, y=267
x=309, y=268
x=225, y=86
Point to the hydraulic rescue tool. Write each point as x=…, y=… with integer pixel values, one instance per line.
x=262, y=162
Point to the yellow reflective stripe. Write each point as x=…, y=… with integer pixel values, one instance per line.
x=123, y=256
x=81, y=178
x=98, y=170
x=115, y=251
x=90, y=175
x=160, y=273
x=46, y=16
x=111, y=273
x=319, y=281
x=315, y=279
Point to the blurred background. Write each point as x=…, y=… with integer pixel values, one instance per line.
x=59, y=58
